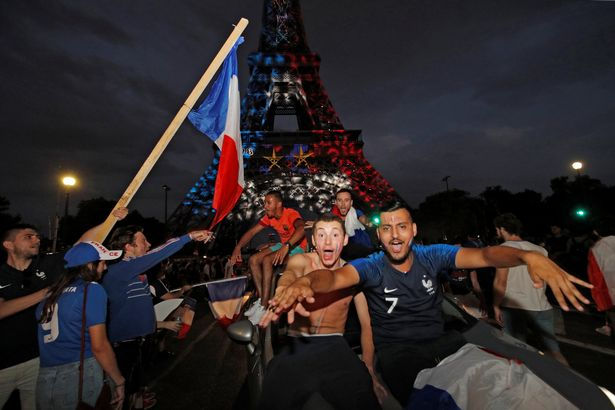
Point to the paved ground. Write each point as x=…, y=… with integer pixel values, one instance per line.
x=210, y=372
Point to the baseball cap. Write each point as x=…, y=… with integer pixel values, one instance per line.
x=86, y=252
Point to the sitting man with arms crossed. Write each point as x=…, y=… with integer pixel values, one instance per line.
x=401, y=287
x=288, y=224
x=318, y=358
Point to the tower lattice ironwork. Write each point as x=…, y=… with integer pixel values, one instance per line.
x=309, y=164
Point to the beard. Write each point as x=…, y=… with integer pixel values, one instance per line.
x=398, y=260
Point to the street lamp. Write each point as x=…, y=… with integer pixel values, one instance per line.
x=68, y=181
x=577, y=166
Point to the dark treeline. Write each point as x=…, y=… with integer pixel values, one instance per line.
x=442, y=216
x=575, y=204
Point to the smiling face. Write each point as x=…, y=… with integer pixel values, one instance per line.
x=343, y=200
x=396, y=232
x=329, y=239
x=138, y=247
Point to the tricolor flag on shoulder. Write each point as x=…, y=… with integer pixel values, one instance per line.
x=601, y=272
x=218, y=118
x=474, y=378
x=226, y=298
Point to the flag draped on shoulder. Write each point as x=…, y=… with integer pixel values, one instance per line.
x=601, y=272
x=218, y=118
x=226, y=298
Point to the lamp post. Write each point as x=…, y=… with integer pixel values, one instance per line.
x=577, y=166
x=166, y=189
x=445, y=180
x=68, y=181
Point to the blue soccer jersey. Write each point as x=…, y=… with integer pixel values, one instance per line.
x=59, y=340
x=405, y=306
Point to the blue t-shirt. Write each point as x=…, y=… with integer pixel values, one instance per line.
x=131, y=310
x=59, y=340
x=405, y=306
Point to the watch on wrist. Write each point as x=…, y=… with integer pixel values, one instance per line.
x=289, y=245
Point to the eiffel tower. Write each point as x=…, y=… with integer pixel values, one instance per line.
x=308, y=165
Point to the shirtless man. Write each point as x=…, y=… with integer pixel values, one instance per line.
x=318, y=359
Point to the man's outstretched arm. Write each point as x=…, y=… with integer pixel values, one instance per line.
x=243, y=241
x=540, y=268
x=318, y=281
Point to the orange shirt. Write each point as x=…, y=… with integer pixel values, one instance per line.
x=285, y=225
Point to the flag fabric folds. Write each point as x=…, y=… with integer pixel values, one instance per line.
x=474, y=378
x=218, y=118
x=226, y=298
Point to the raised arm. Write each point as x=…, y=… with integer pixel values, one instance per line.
x=540, y=268
x=91, y=234
x=245, y=238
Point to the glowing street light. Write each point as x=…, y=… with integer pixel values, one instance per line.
x=577, y=166
x=69, y=181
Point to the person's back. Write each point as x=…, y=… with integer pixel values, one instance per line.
x=520, y=291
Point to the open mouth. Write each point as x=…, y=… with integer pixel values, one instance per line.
x=328, y=254
x=396, y=246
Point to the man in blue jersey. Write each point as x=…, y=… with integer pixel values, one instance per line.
x=402, y=291
x=131, y=310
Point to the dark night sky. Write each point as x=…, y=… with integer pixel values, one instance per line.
x=489, y=92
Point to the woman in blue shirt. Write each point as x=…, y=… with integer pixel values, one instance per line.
x=59, y=333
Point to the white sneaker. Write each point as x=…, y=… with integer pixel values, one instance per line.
x=604, y=330
x=250, y=311
x=255, y=317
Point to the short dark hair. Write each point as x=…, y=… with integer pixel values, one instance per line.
x=123, y=236
x=11, y=231
x=510, y=222
x=348, y=191
x=276, y=194
x=394, y=206
x=329, y=217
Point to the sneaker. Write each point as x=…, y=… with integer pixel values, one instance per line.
x=604, y=330
x=253, y=308
x=255, y=317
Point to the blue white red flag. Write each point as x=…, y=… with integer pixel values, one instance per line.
x=218, y=118
x=226, y=298
x=474, y=378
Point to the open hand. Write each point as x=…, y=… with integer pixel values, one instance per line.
x=543, y=269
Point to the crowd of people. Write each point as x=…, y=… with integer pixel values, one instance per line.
x=89, y=311
x=70, y=317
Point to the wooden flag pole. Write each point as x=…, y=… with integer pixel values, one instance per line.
x=181, y=115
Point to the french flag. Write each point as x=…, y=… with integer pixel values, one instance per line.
x=226, y=298
x=218, y=118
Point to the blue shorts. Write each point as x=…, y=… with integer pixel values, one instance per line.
x=293, y=251
x=517, y=322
